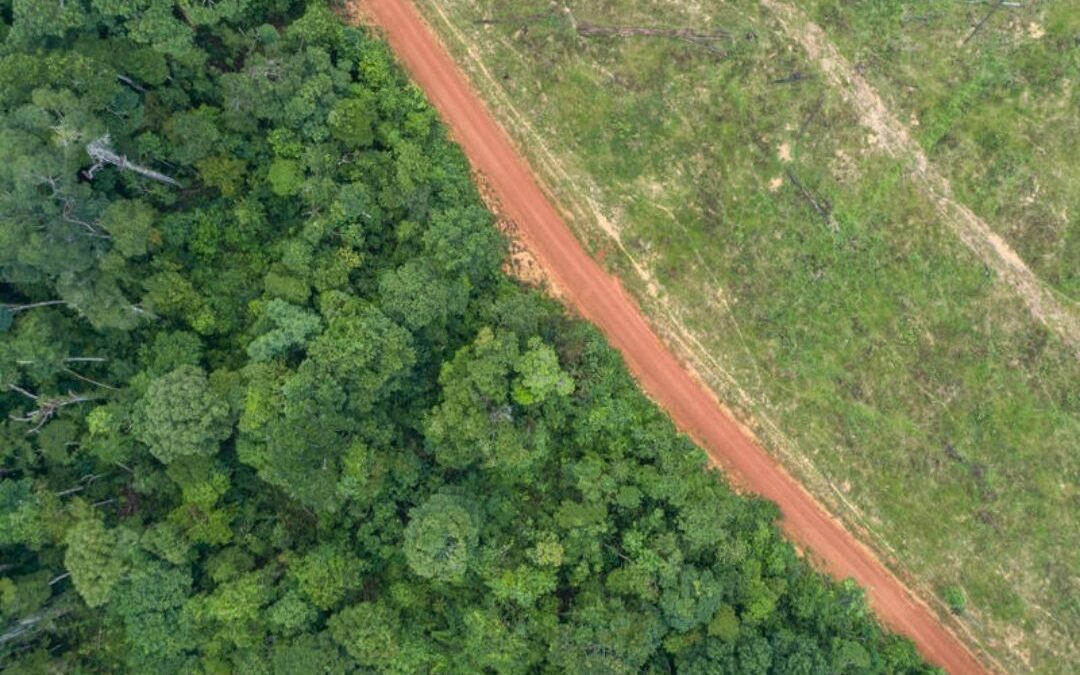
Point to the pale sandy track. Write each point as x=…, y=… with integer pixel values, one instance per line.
x=599, y=297
x=991, y=249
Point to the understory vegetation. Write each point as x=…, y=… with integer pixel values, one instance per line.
x=706, y=159
x=270, y=406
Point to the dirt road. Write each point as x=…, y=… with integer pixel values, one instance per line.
x=599, y=297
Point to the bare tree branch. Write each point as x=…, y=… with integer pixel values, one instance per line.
x=47, y=407
x=100, y=150
x=57, y=579
x=131, y=83
x=84, y=482
x=993, y=10
x=22, y=391
x=66, y=214
x=823, y=210
x=25, y=625
x=15, y=309
x=86, y=379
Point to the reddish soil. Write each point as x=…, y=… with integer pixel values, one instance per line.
x=600, y=298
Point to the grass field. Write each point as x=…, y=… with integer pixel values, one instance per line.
x=810, y=280
x=998, y=107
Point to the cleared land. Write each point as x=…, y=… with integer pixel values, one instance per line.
x=599, y=297
x=812, y=283
x=991, y=92
x=989, y=247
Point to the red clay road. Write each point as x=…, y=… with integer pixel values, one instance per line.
x=600, y=298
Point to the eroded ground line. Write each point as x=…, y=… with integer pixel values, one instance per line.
x=989, y=247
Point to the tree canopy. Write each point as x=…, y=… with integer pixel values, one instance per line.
x=270, y=406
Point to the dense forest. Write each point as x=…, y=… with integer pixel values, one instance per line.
x=270, y=406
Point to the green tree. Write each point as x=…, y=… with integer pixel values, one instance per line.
x=955, y=598
x=150, y=603
x=130, y=223
x=539, y=375
x=308, y=654
x=286, y=177
x=292, y=614
x=95, y=556
x=223, y=172
x=476, y=420
x=326, y=574
x=369, y=632
x=724, y=624
x=193, y=134
x=180, y=415
x=352, y=121
x=34, y=20
x=849, y=657
x=440, y=539
x=692, y=599
x=20, y=514
x=292, y=326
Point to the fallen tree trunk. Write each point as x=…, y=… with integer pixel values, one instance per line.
x=589, y=30
x=100, y=150
x=523, y=20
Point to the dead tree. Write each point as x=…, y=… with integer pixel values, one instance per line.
x=20, y=628
x=15, y=309
x=68, y=205
x=796, y=76
x=994, y=7
x=822, y=207
x=131, y=83
x=46, y=407
x=100, y=150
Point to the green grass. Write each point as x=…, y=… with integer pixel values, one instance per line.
x=1000, y=114
x=889, y=369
